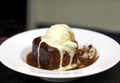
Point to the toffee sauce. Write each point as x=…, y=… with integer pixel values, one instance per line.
x=84, y=62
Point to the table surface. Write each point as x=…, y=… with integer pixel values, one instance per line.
x=110, y=76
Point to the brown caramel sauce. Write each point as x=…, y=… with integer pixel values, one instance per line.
x=84, y=62
x=31, y=61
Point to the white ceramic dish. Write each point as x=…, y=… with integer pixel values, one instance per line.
x=14, y=50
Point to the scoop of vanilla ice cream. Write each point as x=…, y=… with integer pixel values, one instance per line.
x=59, y=33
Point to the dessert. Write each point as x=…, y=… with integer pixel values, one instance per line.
x=58, y=50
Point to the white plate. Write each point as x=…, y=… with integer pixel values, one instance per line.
x=14, y=50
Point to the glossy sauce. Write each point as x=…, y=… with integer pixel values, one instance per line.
x=84, y=62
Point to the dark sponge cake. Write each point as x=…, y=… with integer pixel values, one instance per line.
x=49, y=56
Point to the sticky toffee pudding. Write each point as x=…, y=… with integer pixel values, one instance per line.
x=58, y=50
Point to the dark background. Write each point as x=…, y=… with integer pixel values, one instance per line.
x=12, y=17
